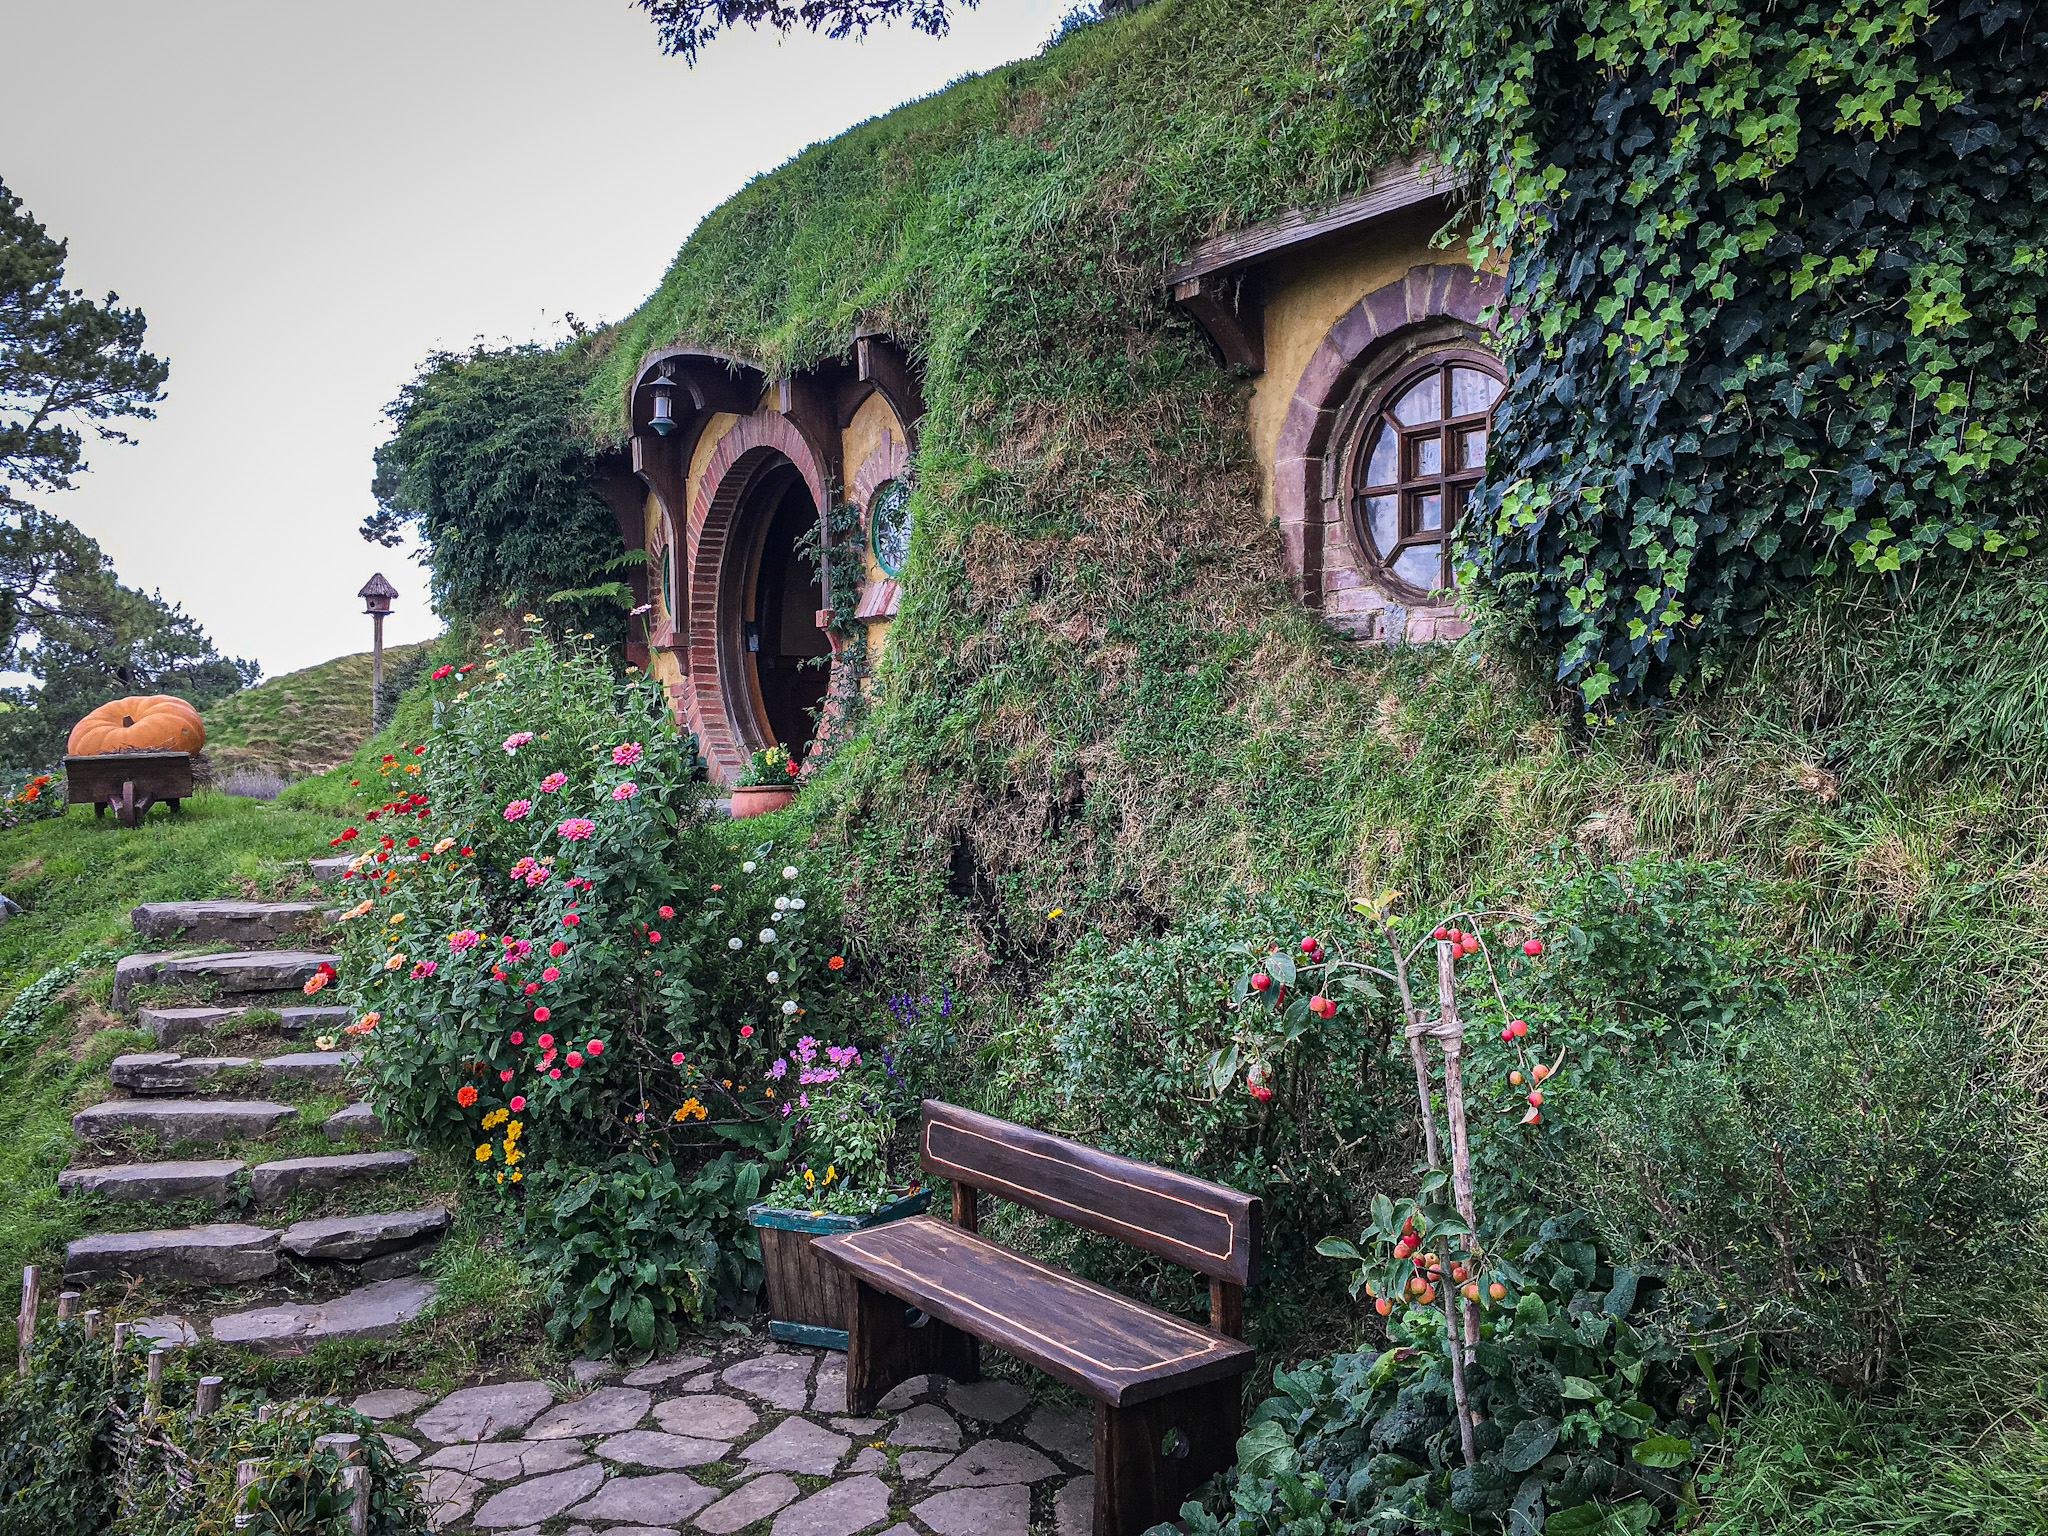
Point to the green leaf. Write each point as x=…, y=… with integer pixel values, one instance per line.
x=1663, y=1451
x=1581, y=1390
x=1265, y=1450
x=1528, y=1443
x=1338, y=1248
x=1280, y=966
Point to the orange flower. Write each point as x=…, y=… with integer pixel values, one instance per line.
x=465, y=1095
x=315, y=982
x=835, y=962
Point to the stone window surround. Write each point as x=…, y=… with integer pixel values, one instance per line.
x=1432, y=308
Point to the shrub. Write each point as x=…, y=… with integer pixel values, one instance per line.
x=1150, y=1049
x=83, y=1451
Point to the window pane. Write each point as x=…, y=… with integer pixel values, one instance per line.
x=1472, y=448
x=1382, y=523
x=1423, y=403
x=889, y=525
x=1460, y=495
x=1472, y=391
x=1428, y=511
x=1380, y=468
x=1425, y=456
x=1421, y=565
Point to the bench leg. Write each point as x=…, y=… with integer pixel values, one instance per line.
x=883, y=1350
x=1150, y=1456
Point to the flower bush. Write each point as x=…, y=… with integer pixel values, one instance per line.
x=34, y=801
x=771, y=768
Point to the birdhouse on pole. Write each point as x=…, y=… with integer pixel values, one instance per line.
x=377, y=595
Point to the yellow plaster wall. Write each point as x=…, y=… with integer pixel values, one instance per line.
x=1309, y=293
x=661, y=665
x=713, y=434
x=862, y=437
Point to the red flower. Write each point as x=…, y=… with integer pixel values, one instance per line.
x=596, y=1047
x=574, y=1058
x=540, y=1015
x=412, y=842
x=348, y=836
x=746, y=1030
x=467, y=852
x=440, y=672
x=530, y=988
x=569, y=919
x=518, y=1102
x=653, y=937
x=668, y=911
x=465, y=1095
x=373, y=815
x=545, y=1041
x=505, y=1076
x=835, y=963
x=464, y=668
x=554, y=1072
x=519, y=1037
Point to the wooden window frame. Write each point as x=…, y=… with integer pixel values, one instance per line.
x=1451, y=483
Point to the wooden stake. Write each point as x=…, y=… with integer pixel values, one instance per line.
x=1450, y=1033
x=246, y=1473
x=120, y=1344
x=90, y=1318
x=67, y=1303
x=357, y=1481
x=156, y=1381
x=31, y=1300
x=208, y=1400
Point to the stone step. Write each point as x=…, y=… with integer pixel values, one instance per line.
x=272, y=1182
x=237, y=970
x=232, y=922
x=358, y=1122
x=154, y=1181
x=350, y=1239
x=225, y=1253
x=174, y=1025
x=177, y=1120
x=317, y=1069
x=168, y=1072
x=376, y=1311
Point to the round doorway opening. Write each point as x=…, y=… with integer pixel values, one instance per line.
x=774, y=660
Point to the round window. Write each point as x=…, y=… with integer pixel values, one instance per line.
x=889, y=525
x=1422, y=450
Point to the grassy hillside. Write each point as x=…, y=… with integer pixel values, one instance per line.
x=303, y=722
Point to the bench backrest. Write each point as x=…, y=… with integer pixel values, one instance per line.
x=1209, y=1228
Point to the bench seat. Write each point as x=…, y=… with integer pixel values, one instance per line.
x=1115, y=1350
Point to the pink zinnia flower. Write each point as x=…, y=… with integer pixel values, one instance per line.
x=676, y=1060
x=440, y=672
x=516, y=740
x=540, y=1016
x=596, y=1047
x=553, y=782
x=518, y=1102
x=517, y=809
x=422, y=969
x=545, y=1041
x=627, y=753
x=626, y=791
x=576, y=828
x=468, y=938
x=554, y=1071
x=519, y=1037
x=505, y=1076
x=551, y=974
x=574, y=1058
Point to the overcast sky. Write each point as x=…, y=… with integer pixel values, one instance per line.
x=307, y=198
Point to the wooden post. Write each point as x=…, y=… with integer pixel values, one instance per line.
x=31, y=1299
x=357, y=1481
x=246, y=1473
x=1450, y=1033
x=120, y=1344
x=67, y=1303
x=966, y=1207
x=208, y=1400
x=90, y=1317
x=376, y=665
x=1226, y=1308
x=156, y=1382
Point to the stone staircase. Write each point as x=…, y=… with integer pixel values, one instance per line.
x=190, y=1123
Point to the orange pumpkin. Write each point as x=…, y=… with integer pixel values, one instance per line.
x=130, y=725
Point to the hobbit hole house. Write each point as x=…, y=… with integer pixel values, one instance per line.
x=1363, y=333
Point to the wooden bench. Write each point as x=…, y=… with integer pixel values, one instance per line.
x=1168, y=1407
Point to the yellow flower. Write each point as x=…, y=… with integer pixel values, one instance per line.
x=395, y=961
x=831, y=1172
x=483, y=1153
x=530, y=618
x=397, y=917
x=501, y=1178
x=1055, y=912
x=810, y=1177
x=514, y=1129
x=517, y=1175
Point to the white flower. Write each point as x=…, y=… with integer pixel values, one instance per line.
x=789, y=1009
x=774, y=977
x=789, y=871
x=796, y=904
x=735, y=943
x=767, y=935
x=782, y=903
x=748, y=867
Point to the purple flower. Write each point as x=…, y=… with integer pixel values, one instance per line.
x=779, y=1069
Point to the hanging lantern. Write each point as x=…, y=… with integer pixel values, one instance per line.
x=664, y=421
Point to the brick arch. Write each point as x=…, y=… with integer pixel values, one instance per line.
x=753, y=444
x=1329, y=567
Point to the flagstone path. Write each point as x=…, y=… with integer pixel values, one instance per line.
x=754, y=1439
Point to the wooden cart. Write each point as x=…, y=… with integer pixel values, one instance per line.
x=128, y=783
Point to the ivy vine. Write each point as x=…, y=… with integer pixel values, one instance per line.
x=1774, y=282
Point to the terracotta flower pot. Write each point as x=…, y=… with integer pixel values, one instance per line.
x=807, y=1296
x=759, y=799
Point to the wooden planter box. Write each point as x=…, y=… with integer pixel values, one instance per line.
x=807, y=1294
x=128, y=783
